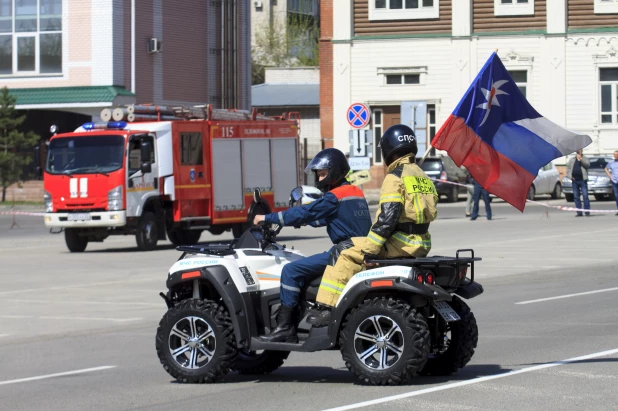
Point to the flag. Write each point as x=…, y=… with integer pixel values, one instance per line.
x=500, y=138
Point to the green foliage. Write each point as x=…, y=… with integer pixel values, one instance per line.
x=291, y=42
x=14, y=144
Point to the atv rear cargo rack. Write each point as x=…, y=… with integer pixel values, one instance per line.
x=220, y=249
x=436, y=260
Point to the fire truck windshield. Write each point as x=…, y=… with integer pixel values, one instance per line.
x=85, y=155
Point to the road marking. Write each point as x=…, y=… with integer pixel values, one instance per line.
x=66, y=287
x=60, y=374
x=87, y=302
x=119, y=320
x=567, y=296
x=472, y=381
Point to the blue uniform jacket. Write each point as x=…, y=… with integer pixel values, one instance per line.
x=343, y=210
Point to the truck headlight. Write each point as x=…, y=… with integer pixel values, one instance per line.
x=49, y=205
x=602, y=180
x=114, y=199
x=567, y=180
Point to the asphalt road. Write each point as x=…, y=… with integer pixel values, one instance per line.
x=96, y=314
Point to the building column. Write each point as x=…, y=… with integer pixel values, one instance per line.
x=326, y=72
x=553, y=84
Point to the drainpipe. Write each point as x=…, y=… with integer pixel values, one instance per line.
x=133, y=46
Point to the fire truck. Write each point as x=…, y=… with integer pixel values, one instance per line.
x=154, y=172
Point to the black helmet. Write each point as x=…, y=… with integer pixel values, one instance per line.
x=398, y=139
x=337, y=165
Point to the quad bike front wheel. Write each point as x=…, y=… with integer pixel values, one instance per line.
x=453, y=347
x=265, y=362
x=384, y=341
x=195, y=341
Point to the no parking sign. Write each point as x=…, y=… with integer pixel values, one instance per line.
x=358, y=115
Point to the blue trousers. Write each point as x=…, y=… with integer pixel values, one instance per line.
x=615, y=187
x=581, y=187
x=478, y=192
x=295, y=275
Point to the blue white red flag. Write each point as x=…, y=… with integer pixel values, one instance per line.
x=500, y=138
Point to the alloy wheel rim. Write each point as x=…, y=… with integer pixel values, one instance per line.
x=379, y=342
x=192, y=342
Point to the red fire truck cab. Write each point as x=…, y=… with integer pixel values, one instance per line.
x=176, y=177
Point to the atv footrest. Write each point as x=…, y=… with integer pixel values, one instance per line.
x=318, y=340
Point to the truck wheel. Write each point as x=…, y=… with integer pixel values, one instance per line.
x=174, y=237
x=384, y=341
x=147, y=232
x=455, y=346
x=453, y=195
x=250, y=362
x=75, y=243
x=191, y=237
x=195, y=341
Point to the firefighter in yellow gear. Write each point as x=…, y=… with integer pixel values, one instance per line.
x=408, y=203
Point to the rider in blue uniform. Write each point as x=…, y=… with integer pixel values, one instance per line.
x=342, y=209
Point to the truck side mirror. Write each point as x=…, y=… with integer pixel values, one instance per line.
x=146, y=167
x=145, y=157
x=145, y=152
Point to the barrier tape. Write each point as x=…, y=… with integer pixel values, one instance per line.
x=562, y=208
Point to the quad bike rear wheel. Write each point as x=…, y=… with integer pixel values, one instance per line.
x=384, y=341
x=453, y=348
x=250, y=362
x=195, y=341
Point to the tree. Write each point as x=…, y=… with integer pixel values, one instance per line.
x=285, y=43
x=13, y=143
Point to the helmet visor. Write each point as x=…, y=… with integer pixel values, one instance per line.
x=318, y=163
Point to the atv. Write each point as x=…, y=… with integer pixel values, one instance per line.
x=396, y=320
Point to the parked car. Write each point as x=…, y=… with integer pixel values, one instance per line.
x=547, y=181
x=445, y=169
x=599, y=184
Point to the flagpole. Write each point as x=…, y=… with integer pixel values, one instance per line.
x=424, y=156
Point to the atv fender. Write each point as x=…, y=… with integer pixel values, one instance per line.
x=217, y=277
x=358, y=293
x=470, y=290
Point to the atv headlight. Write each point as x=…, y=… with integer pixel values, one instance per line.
x=114, y=199
x=49, y=205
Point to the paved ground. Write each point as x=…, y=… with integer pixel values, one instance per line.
x=96, y=313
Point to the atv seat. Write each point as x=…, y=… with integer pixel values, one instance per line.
x=315, y=283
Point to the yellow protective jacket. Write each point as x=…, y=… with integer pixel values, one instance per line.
x=408, y=203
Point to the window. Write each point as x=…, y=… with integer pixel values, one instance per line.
x=608, y=81
x=377, y=134
x=403, y=9
x=30, y=37
x=135, y=152
x=605, y=6
x=402, y=75
x=513, y=7
x=191, y=149
x=403, y=79
x=520, y=77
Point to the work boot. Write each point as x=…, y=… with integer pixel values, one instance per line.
x=319, y=317
x=285, y=330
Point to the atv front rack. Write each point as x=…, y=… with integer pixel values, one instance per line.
x=221, y=249
x=436, y=260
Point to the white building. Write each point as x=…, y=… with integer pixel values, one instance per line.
x=385, y=53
